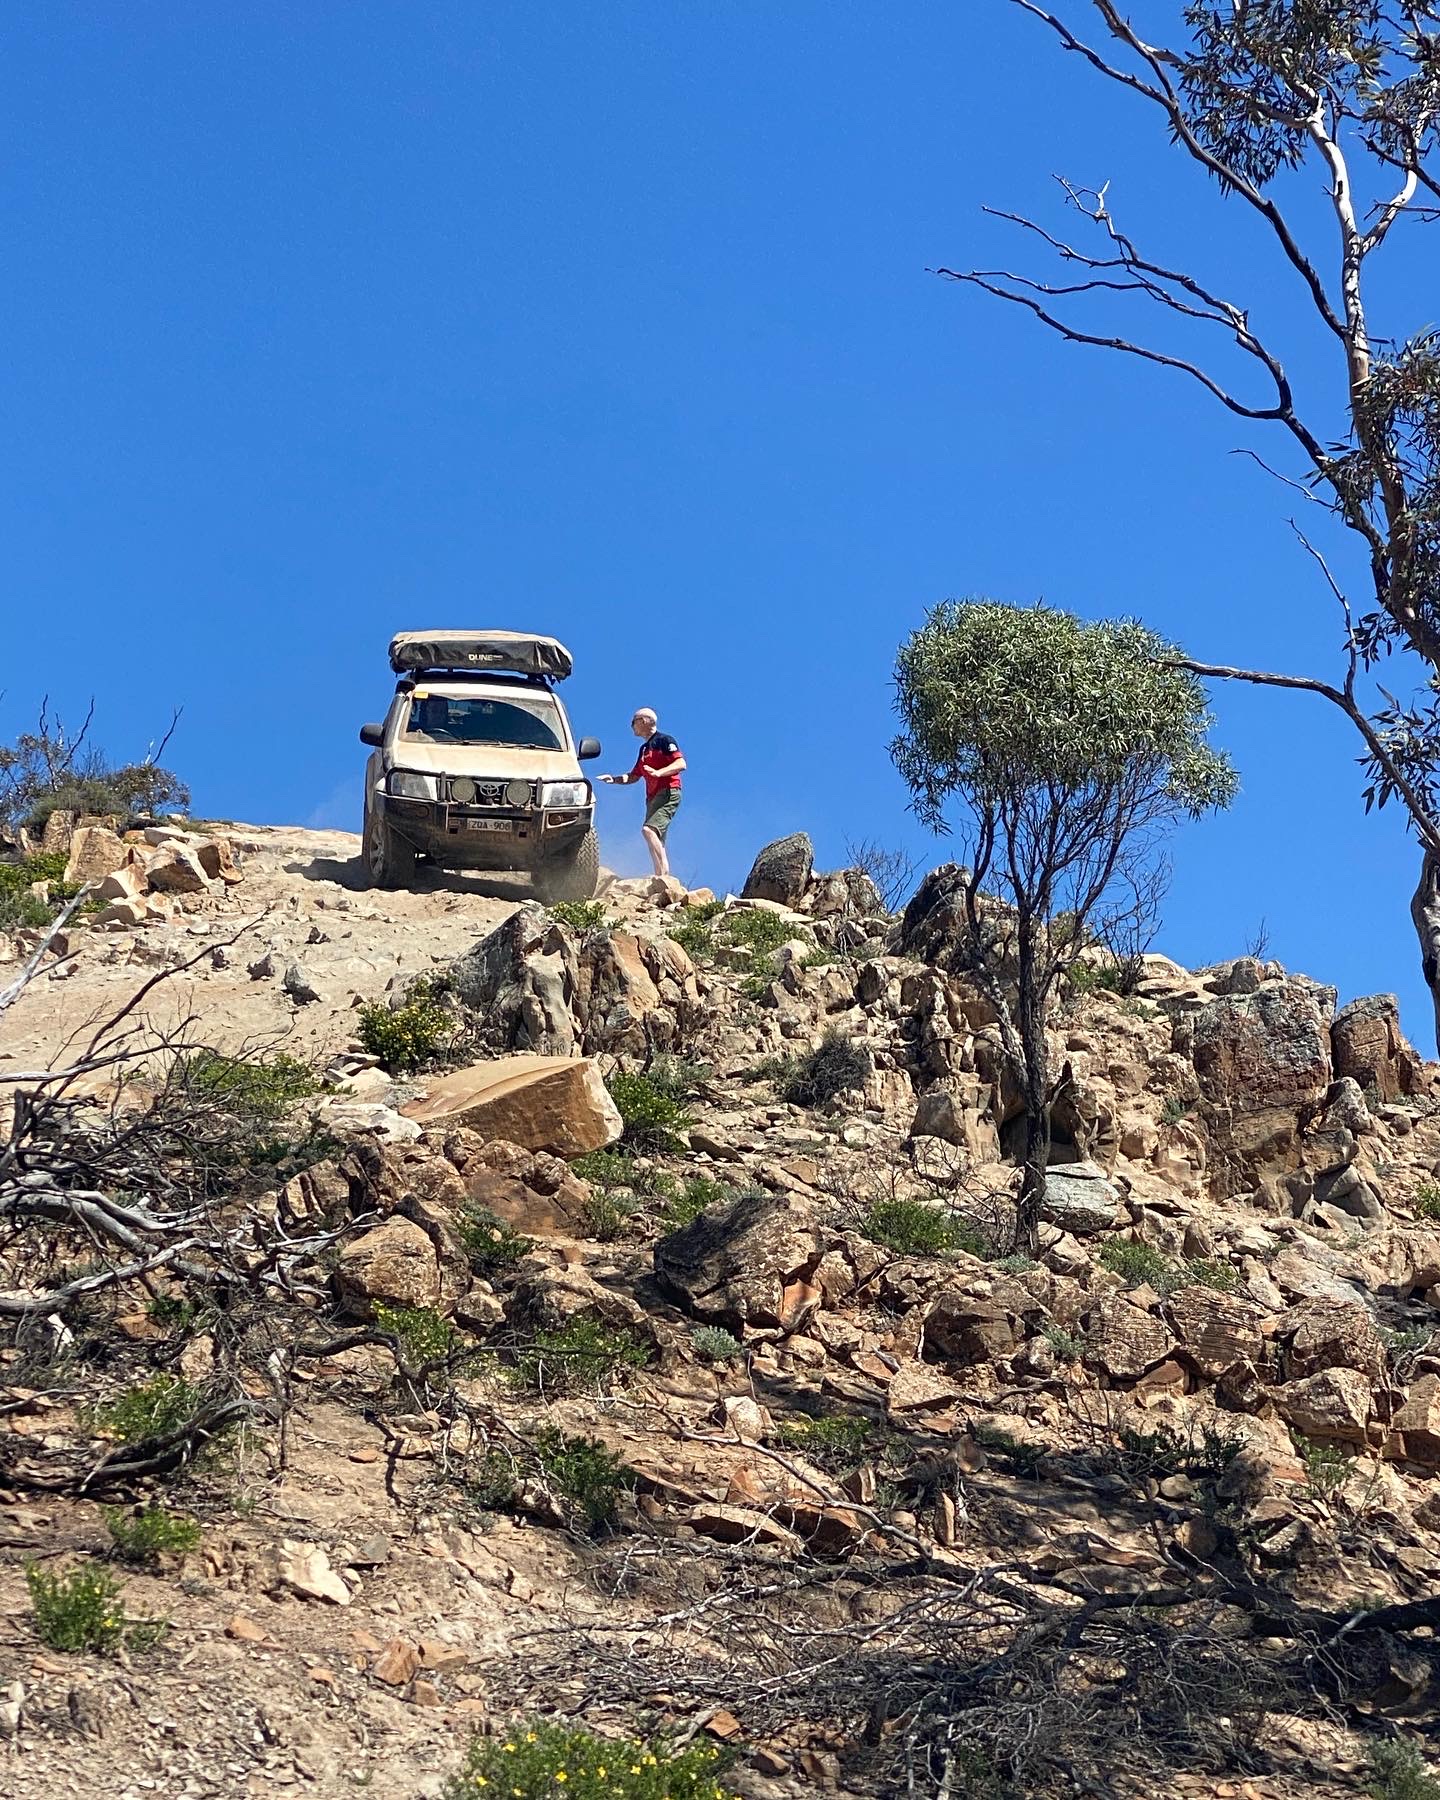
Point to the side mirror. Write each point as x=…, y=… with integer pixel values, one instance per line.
x=373, y=735
x=589, y=749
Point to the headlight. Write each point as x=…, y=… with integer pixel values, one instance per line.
x=564, y=793
x=517, y=793
x=410, y=784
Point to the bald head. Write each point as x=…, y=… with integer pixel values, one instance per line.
x=644, y=720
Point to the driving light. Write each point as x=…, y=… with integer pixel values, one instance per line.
x=517, y=793
x=564, y=793
x=462, y=788
x=410, y=784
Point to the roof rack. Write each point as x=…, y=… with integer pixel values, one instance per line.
x=414, y=653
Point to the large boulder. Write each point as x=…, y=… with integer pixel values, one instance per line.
x=395, y=1264
x=176, y=869
x=782, y=871
x=1335, y=1403
x=1080, y=1200
x=554, y=1103
x=518, y=985
x=1371, y=1049
x=634, y=994
x=532, y=1192
x=95, y=851
x=1333, y=1334
x=1270, y=1048
x=742, y=1264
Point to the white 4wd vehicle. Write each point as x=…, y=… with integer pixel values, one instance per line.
x=475, y=765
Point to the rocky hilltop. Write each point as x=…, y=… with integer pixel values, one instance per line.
x=617, y=1317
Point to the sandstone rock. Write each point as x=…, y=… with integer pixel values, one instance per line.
x=176, y=870
x=1370, y=1047
x=95, y=852
x=963, y=1330
x=958, y=1114
x=59, y=830
x=1080, y=1200
x=1329, y=1334
x=305, y=1570
x=1217, y=1331
x=742, y=1525
x=553, y=1103
x=734, y=1263
x=217, y=858
x=519, y=983
x=395, y=1264
x=129, y=913
x=299, y=984
x=398, y=1663
x=1418, y=1420
x=1125, y=1341
x=1333, y=1404
x=782, y=870
x=1270, y=1048
x=126, y=884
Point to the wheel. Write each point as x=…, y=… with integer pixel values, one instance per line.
x=389, y=860
x=572, y=877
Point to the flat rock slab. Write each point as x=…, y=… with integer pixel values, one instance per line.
x=553, y=1103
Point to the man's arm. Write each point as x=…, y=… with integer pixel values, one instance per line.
x=671, y=768
x=625, y=780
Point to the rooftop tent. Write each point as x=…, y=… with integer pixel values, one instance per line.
x=513, y=652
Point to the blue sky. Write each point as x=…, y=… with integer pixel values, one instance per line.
x=324, y=321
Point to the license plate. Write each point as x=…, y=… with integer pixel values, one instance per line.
x=489, y=825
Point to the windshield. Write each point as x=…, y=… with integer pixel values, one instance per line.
x=525, y=722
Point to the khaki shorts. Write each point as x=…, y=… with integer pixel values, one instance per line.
x=661, y=811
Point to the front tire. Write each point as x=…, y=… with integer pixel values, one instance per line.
x=389, y=860
x=574, y=876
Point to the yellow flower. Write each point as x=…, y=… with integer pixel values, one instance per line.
x=530, y=1737
x=600, y=1770
x=560, y=1775
x=510, y=1749
x=635, y=1768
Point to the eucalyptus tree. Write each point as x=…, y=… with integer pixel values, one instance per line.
x=1068, y=750
x=1252, y=92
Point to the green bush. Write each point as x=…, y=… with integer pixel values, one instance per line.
x=1064, y=1343
x=490, y=1245
x=1426, y=1200
x=591, y=1477
x=1203, y=1272
x=423, y=1336
x=714, y=1344
x=756, y=930
x=82, y=1609
x=259, y=1090
x=1025, y=1459
x=150, y=1409
x=913, y=1228
x=677, y=1077
x=1205, y=1453
x=490, y=1483
x=614, y=1169
x=697, y=1195
x=653, y=1118
x=582, y=1356
x=580, y=915
x=694, y=930
x=1096, y=978
x=1399, y=1772
x=149, y=1532
x=1175, y=1109
x=607, y=1212
x=408, y=1037
x=1138, y=1264
x=835, y=1066
x=20, y=910
x=836, y=1441
x=541, y=1761
x=1327, y=1468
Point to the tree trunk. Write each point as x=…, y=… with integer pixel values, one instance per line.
x=1425, y=911
x=1030, y=1010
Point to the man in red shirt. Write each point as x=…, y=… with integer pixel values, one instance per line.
x=659, y=765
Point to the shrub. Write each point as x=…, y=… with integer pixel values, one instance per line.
x=48, y=770
x=913, y=1228
x=1399, y=1772
x=607, y=1212
x=714, y=1344
x=580, y=915
x=149, y=1532
x=653, y=1118
x=423, y=1336
x=1175, y=1109
x=1203, y=1272
x=1064, y=1343
x=150, y=1409
x=584, y=1471
x=1096, y=978
x=756, y=930
x=836, y=1441
x=540, y=1760
x=1138, y=1264
x=490, y=1245
x=258, y=1090
x=1156, y=1454
x=697, y=1195
x=1426, y=1200
x=694, y=931
x=677, y=1077
x=1025, y=1459
x=1327, y=1468
x=81, y=1609
x=833, y=1067
x=407, y=1037
x=490, y=1483
x=614, y=1169
x=582, y=1355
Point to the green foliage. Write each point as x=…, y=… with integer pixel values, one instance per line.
x=1399, y=1772
x=585, y=1472
x=613, y=1169
x=1096, y=978
x=913, y=1228
x=677, y=1077
x=1406, y=1340
x=540, y=1761
x=1327, y=1467
x=1137, y=1264
x=48, y=770
x=149, y=1532
x=1152, y=1455
x=835, y=1066
x=1175, y=1109
x=607, y=1212
x=1426, y=1200
x=755, y=930
x=423, y=1336
x=653, y=1117
x=20, y=909
x=697, y=1195
x=714, y=1344
x=151, y=1409
x=1025, y=1459
x=1064, y=1343
x=409, y=1037
x=1017, y=1263
x=490, y=1482
x=1204, y=1272
x=580, y=915
x=1050, y=716
x=836, y=1441
x=82, y=1609
x=490, y=1245
x=582, y=1356
x=171, y=1312
x=258, y=1090
x=694, y=930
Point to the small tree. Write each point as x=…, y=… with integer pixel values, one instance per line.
x=1071, y=747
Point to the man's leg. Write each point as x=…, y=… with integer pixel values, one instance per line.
x=655, y=844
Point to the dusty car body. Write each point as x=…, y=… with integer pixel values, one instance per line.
x=475, y=765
